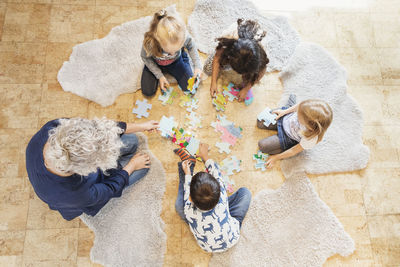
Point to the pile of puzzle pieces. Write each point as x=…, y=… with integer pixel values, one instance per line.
x=267, y=116
x=230, y=133
x=231, y=92
x=169, y=129
x=167, y=97
x=260, y=159
x=228, y=166
x=142, y=107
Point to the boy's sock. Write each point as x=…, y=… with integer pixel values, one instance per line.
x=183, y=155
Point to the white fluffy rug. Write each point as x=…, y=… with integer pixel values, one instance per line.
x=290, y=226
x=211, y=17
x=129, y=230
x=101, y=70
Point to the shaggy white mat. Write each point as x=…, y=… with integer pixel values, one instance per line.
x=290, y=226
x=211, y=17
x=101, y=70
x=129, y=230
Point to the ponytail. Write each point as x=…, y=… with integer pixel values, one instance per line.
x=150, y=43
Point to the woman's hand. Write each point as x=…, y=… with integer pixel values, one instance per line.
x=280, y=113
x=150, y=125
x=272, y=159
x=186, y=167
x=163, y=83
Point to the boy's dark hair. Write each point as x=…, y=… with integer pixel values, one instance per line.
x=245, y=55
x=204, y=191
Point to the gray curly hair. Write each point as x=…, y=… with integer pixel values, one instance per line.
x=81, y=145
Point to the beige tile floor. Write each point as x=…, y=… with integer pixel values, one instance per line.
x=38, y=35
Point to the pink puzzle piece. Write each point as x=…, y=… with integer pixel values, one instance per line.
x=226, y=137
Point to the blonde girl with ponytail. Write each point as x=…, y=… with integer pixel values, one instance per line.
x=165, y=50
x=300, y=127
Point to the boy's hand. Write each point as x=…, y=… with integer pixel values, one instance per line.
x=163, y=83
x=186, y=167
x=280, y=113
x=203, y=152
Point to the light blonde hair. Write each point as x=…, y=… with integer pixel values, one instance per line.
x=163, y=29
x=317, y=116
x=81, y=146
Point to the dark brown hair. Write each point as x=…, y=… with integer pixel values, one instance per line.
x=245, y=55
x=204, y=191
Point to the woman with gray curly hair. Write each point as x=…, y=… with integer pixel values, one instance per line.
x=77, y=165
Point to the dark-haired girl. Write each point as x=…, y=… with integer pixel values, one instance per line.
x=239, y=49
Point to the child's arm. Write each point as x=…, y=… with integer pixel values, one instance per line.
x=283, y=112
x=153, y=67
x=194, y=54
x=215, y=71
x=188, y=179
x=286, y=154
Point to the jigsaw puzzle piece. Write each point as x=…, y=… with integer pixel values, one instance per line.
x=166, y=126
x=193, y=146
x=267, y=116
x=223, y=147
x=142, y=107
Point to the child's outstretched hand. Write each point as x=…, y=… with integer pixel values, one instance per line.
x=242, y=95
x=280, y=113
x=186, y=167
x=163, y=83
x=271, y=161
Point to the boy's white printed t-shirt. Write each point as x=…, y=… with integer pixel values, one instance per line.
x=292, y=128
x=215, y=230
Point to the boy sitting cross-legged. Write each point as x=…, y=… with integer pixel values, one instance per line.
x=214, y=218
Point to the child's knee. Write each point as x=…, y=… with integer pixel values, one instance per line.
x=246, y=194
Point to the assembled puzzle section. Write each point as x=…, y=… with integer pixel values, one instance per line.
x=167, y=97
x=232, y=92
x=260, y=159
x=228, y=167
x=267, y=116
x=142, y=107
x=229, y=133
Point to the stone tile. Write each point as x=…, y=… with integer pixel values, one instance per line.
x=354, y=30
x=21, y=62
x=381, y=189
x=85, y=242
x=389, y=59
x=318, y=27
x=56, y=54
x=26, y=23
x=385, y=238
x=11, y=261
x=14, y=195
x=12, y=243
x=86, y=262
x=382, y=146
x=50, y=246
x=362, y=65
x=386, y=29
x=3, y=7
x=107, y=17
x=21, y=104
x=357, y=228
x=71, y=23
x=391, y=105
x=40, y=216
x=342, y=193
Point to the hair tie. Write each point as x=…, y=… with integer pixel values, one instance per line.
x=161, y=14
